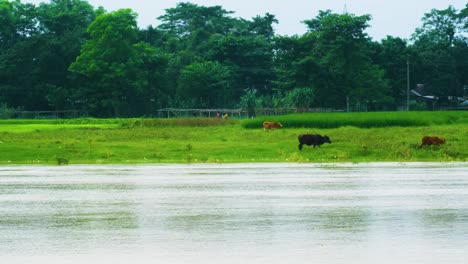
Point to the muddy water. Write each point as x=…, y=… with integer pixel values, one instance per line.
x=235, y=213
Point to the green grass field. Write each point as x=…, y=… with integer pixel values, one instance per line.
x=356, y=137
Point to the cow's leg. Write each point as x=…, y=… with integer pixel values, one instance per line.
x=300, y=146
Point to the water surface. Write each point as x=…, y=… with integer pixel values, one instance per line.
x=235, y=213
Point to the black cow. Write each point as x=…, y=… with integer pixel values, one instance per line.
x=315, y=140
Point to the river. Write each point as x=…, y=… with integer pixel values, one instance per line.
x=235, y=213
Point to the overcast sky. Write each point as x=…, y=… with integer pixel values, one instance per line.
x=398, y=18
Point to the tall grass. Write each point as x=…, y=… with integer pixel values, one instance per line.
x=176, y=122
x=362, y=120
x=74, y=121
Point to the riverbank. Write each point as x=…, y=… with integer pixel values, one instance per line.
x=137, y=141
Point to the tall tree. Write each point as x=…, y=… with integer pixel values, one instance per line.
x=19, y=41
x=206, y=84
x=263, y=26
x=392, y=54
x=198, y=35
x=253, y=56
x=42, y=42
x=440, y=52
x=63, y=24
x=339, y=63
x=109, y=62
x=187, y=18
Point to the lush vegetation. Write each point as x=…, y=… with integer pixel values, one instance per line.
x=69, y=55
x=116, y=141
x=363, y=120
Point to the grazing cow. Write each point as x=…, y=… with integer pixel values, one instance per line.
x=271, y=125
x=315, y=140
x=436, y=141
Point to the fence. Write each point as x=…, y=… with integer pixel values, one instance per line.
x=175, y=112
x=48, y=114
x=240, y=113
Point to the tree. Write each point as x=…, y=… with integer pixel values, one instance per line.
x=440, y=53
x=7, y=20
x=63, y=24
x=109, y=64
x=464, y=18
x=252, y=56
x=339, y=62
x=18, y=60
x=441, y=26
x=195, y=34
x=392, y=54
x=41, y=43
x=263, y=26
x=187, y=18
x=206, y=84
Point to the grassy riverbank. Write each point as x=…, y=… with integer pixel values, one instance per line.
x=357, y=137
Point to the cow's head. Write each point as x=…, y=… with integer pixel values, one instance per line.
x=326, y=139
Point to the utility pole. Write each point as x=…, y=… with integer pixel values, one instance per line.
x=407, y=84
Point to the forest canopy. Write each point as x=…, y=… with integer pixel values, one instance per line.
x=70, y=55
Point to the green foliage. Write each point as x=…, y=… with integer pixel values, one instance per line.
x=109, y=64
x=439, y=53
x=250, y=101
x=208, y=84
x=5, y=111
x=334, y=58
x=363, y=120
x=392, y=54
x=301, y=98
x=41, y=44
x=67, y=55
x=187, y=17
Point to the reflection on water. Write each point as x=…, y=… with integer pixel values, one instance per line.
x=235, y=213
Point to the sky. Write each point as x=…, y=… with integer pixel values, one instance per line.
x=397, y=18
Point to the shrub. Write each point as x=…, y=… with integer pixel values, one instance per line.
x=6, y=112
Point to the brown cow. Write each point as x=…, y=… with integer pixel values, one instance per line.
x=436, y=141
x=271, y=125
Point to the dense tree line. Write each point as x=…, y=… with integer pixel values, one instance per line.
x=67, y=54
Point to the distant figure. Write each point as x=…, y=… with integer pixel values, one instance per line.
x=436, y=141
x=218, y=115
x=226, y=116
x=315, y=140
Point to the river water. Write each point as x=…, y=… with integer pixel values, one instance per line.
x=235, y=213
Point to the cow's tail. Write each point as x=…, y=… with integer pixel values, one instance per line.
x=300, y=146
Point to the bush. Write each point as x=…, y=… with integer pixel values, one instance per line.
x=6, y=112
